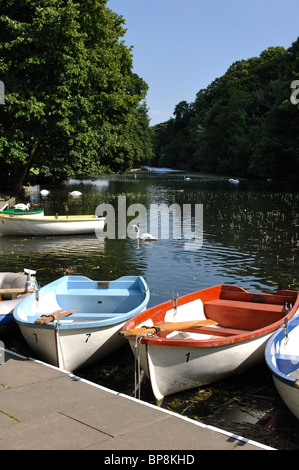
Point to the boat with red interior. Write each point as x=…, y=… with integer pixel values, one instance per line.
x=205, y=336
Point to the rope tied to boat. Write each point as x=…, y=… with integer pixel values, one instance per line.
x=138, y=372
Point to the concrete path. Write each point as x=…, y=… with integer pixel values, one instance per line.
x=44, y=408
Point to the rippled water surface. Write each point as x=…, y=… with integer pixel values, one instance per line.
x=250, y=238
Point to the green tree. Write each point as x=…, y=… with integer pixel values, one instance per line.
x=242, y=124
x=70, y=89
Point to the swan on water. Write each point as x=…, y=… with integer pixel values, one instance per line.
x=75, y=193
x=23, y=207
x=143, y=236
x=45, y=192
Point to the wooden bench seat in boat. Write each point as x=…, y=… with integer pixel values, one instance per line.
x=243, y=315
x=218, y=331
x=279, y=298
x=209, y=330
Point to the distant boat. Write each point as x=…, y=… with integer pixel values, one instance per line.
x=13, y=288
x=282, y=358
x=50, y=225
x=27, y=213
x=161, y=170
x=206, y=336
x=234, y=181
x=75, y=321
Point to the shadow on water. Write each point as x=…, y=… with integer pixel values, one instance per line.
x=250, y=239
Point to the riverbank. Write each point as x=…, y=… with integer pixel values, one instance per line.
x=7, y=203
x=44, y=408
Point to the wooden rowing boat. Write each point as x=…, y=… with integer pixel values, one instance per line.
x=75, y=321
x=50, y=225
x=13, y=288
x=191, y=356
x=282, y=358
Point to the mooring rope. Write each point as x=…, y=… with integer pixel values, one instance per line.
x=137, y=366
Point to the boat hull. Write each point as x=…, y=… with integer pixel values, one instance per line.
x=71, y=350
x=50, y=225
x=6, y=314
x=172, y=370
x=289, y=394
x=190, y=357
x=282, y=358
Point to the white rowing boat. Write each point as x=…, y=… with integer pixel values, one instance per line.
x=50, y=225
x=75, y=321
x=180, y=349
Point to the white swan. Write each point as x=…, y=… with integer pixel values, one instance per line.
x=75, y=193
x=23, y=207
x=143, y=236
x=45, y=192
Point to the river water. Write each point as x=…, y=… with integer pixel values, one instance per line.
x=247, y=236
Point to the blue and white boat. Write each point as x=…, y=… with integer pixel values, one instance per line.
x=282, y=358
x=13, y=288
x=74, y=321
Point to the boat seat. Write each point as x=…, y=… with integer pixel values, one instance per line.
x=90, y=316
x=217, y=331
x=11, y=281
x=287, y=363
x=243, y=315
x=280, y=298
x=209, y=330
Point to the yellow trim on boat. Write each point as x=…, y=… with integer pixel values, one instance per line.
x=52, y=218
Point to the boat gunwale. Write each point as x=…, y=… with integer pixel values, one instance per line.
x=52, y=218
x=133, y=283
x=201, y=343
x=277, y=337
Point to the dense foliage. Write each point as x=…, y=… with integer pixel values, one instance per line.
x=242, y=124
x=73, y=105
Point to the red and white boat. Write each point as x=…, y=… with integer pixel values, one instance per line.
x=205, y=336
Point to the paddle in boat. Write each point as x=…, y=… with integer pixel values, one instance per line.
x=205, y=336
x=74, y=321
x=13, y=288
x=282, y=358
x=50, y=225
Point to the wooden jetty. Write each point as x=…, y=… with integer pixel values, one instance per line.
x=45, y=408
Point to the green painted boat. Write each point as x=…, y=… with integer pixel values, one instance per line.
x=28, y=213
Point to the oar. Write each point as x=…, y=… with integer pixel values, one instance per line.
x=168, y=327
x=19, y=290
x=54, y=316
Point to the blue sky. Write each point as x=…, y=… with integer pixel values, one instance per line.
x=181, y=46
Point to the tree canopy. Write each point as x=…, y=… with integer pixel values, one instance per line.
x=243, y=124
x=73, y=105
